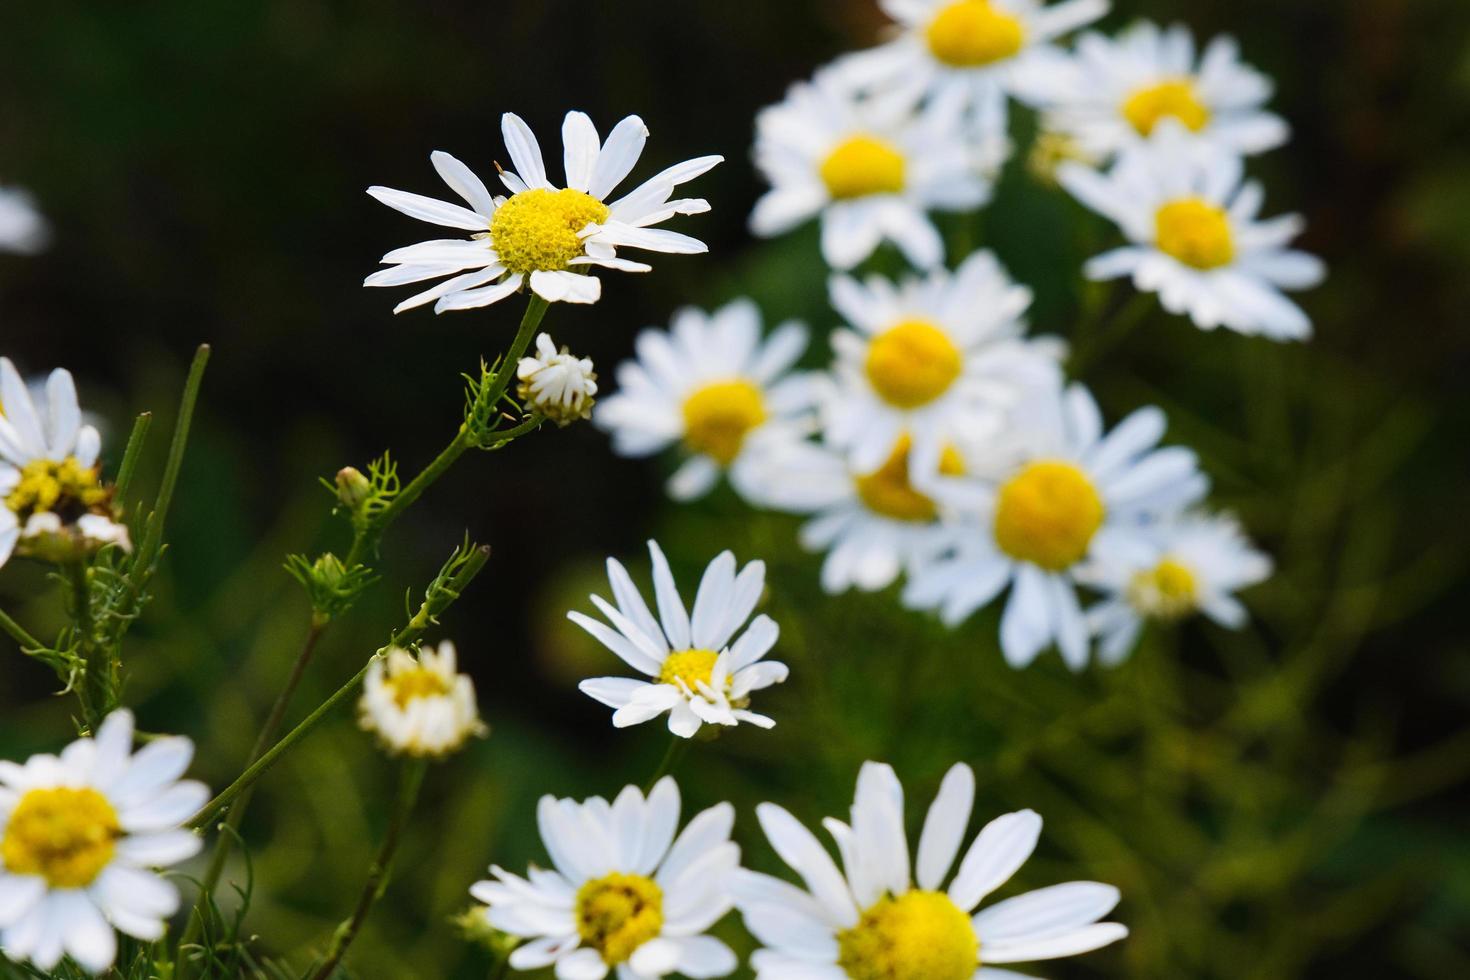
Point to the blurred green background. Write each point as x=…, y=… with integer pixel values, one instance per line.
x=1285, y=802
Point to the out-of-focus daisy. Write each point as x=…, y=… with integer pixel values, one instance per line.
x=697, y=675
x=22, y=228
x=712, y=385
x=50, y=486
x=871, y=168
x=1113, y=94
x=1196, y=240
x=881, y=918
x=558, y=384
x=1072, y=495
x=623, y=894
x=938, y=357
x=79, y=833
x=419, y=705
x=543, y=234
x=1194, y=565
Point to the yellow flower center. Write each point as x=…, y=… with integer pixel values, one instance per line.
x=67, y=488
x=536, y=230
x=417, y=682
x=913, y=363
x=1047, y=515
x=619, y=913
x=719, y=416
x=1196, y=233
x=692, y=667
x=863, y=165
x=66, y=836
x=972, y=33
x=887, y=490
x=1168, y=590
x=1149, y=106
x=918, y=936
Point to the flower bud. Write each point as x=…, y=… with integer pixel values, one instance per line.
x=353, y=489
x=557, y=384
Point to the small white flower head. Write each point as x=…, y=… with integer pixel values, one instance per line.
x=712, y=386
x=557, y=384
x=22, y=228
x=878, y=917
x=1114, y=93
x=1196, y=239
x=1192, y=564
x=623, y=893
x=53, y=504
x=79, y=835
x=871, y=168
x=420, y=705
x=1069, y=495
x=697, y=675
x=542, y=234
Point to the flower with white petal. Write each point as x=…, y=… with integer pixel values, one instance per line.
x=711, y=385
x=558, y=384
x=22, y=228
x=79, y=835
x=623, y=893
x=1196, y=239
x=871, y=168
x=420, y=705
x=1071, y=495
x=696, y=674
x=1193, y=564
x=880, y=918
x=1113, y=94
x=542, y=234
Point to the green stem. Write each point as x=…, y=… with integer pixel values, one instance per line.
x=130, y=455
x=676, y=751
x=25, y=640
x=97, y=687
x=499, y=439
x=153, y=539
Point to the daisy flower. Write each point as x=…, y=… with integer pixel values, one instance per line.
x=697, y=675
x=546, y=235
x=54, y=503
x=419, y=705
x=879, y=918
x=871, y=168
x=711, y=385
x=1113, y=94
x=22, y=228
x=623, y=894
x=79, y=834
x=1194, y=565
x=557, y=384
x=1071, y=495
x=939, y=357
x=1196, y=240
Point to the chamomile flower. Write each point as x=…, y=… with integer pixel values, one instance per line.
x=558, y=384
x=542, y=234
x=1071, y=495
x=1193, y=564
x=697, y=675
x=1195, y=236
x=871, y=168
x=712, y=386
x=22, y=228
x=420, y=705
x=939, y=357
x=79, y=835
x=623, y=893
x=880, y=918
x=1114, y=93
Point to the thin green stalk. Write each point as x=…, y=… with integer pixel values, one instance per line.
x=97, y=689
x=153, y=539
x=130, y=455
x=25, y=640
x=676, y=751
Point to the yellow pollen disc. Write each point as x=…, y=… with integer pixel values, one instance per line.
x=67, y=488
x=887, y=490
x=972, y=34
x=536, y=230
x=1176, y=99
x=1196, y=233
x=619, y=913
x=1168, y=590
x=1047, y=515
x=918, y=936
x=719, y=416
x=66, y=836
x=863, y=165
x=691, y=666
x=416, y=682
x=912, y=363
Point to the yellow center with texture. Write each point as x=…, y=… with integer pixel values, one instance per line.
x=1047, y=515
x=1196, y=233
x=912, y=363
x=692, y=667
x=887, y=490
x=417, y=682
x=917, y=936
x=1174, y=99
x=619, y=913
x=66, y=836
x=863, y=165
x=66, y=488
x=972, y=34
x=537, y=230
x=1167, y=591
x=719, y=416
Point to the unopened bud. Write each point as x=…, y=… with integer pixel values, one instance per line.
x=353, y=489
x=557, y=384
